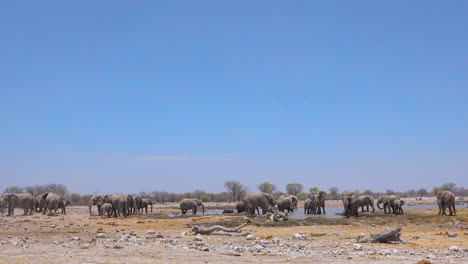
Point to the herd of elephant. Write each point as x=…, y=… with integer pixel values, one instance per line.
x=123, y=205
x=119, y=205
x=46, y=202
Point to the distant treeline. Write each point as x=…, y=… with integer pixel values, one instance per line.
x=234, y=192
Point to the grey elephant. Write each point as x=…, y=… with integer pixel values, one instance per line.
x=97, y=200
x=20, y=200
x=240, y=206
x=350, y=204
x=38, y=204
x=366, y=200
x=310, y=206
x=106, y=210
x=51, y=202
x=138, y=204
x=119, y=203
x=287, y=202
x=321, y=202
x=131, y=205
x=387, y=202
x=191, y=204
x=446, y=199
x=255, y=200
x=397, y=207
x=62, y=205
x=145, y=204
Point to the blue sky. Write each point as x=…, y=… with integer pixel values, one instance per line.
x=107, y=96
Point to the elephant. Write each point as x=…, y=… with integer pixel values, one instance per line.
x=145, y=204
x=20, y=200
x=138, y=204
x=287, y=202
x=51, y=202
x=106, y=210
x=321, y=202
x=446, y=199
x=240, y=206
x=228, y=211
x=310, y=206
x=131, y=205
x=191, y=203
x=38, y=204
x=255, y=200
x=62, y=205
x=366, y=200
x=351, y=204
x=119, y=203
x=97, y=200
x=387, y=202
x=3, y=204
x=397, y=207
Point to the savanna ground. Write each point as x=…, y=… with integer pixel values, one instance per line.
x=79, y=238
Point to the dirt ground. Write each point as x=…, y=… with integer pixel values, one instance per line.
x=154, y=238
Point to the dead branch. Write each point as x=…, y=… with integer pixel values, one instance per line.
x=209, y=230
x=386, y=236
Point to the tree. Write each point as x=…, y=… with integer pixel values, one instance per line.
x=422, y=192
x=333, y=190
x=266, y=187
x=436, y=189
x=389, y=192
x=368, y=192
x=13, y=189
x=313, y=190
x=236, y=189
x=75, y=198
x=449, y=186
x=302, y=196
x=294, y=188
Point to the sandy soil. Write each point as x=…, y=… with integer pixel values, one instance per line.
x=153, y=238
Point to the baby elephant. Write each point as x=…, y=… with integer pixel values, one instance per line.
x=106, y=209
x=397, y=207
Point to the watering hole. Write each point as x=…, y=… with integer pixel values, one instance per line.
x=331, y=211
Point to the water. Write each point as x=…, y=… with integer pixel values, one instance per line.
x=332, y=211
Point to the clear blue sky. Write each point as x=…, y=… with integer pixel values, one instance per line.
x=129, y=96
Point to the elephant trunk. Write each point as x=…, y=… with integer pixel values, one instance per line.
x=90, y=205
x=203, y=208
x=378, y=205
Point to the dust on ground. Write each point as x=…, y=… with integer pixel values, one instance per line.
x=155, y=238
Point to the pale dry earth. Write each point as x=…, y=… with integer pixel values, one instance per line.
x=153, y=238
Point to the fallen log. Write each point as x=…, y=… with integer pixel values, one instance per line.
x=386, y=236
x=209, y=230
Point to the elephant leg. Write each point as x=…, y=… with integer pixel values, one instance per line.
x=454, y=211
x=146, y=209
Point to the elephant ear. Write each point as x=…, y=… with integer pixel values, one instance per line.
x=44, y=196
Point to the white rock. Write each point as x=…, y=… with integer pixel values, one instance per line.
x=150, y=232
x=250, y=237
x=198, y=238
x=454, y=249
x=100, y=235
x=358, y=247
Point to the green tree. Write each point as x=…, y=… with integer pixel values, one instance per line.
x=266, y=187
x=294, y=188
x=313, y=190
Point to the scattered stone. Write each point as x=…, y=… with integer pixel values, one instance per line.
x=454, y=249
x=250, y=237
x=452, y=234
x=204, y=249
x=75, y=238
x=100, y=235
x=117, y=247
x=299, y=236
x=150, y=232
x=358, y=247
x=198, y=238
